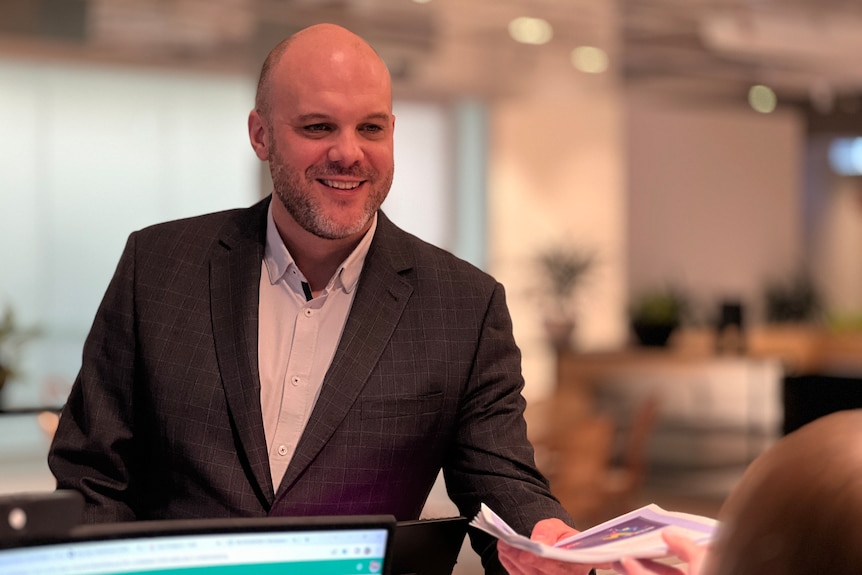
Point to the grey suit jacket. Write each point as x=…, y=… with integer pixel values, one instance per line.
x=164, y=418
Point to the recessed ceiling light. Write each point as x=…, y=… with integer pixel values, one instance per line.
x=589, y=59
x=531, y=30
x=762, y=99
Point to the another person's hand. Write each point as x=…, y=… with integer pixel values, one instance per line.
x=681, y=546
x=549, y=531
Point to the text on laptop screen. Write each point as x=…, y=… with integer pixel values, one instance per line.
x=358, y=551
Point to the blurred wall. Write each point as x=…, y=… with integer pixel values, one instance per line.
x=715, y=202
x=556, y=176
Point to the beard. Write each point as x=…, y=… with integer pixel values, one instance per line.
x=294, y=191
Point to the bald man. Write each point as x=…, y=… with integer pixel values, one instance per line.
x=797, y=510
x=303, y=356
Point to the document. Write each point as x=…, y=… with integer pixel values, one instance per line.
x=635, y=534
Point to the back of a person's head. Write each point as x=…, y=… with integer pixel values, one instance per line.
x=798, y=508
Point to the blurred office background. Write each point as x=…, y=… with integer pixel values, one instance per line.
x=702, y=146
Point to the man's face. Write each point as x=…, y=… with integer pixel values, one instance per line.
x=331, y=149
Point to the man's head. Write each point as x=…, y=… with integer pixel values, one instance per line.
x=323, y=119
x=798, y=508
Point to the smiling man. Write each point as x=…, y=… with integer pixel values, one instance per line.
x=323, y=119
x=304, y=356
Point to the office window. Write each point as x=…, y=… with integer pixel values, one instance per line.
x=87, y=155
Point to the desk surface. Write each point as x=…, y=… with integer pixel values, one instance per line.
x=800, y=349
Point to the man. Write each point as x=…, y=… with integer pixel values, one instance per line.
x=303, y=356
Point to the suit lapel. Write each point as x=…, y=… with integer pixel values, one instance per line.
x=380, y=299
x=234, y=290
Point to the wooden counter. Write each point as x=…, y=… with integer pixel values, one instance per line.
x=699, y=384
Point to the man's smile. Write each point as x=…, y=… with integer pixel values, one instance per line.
x=340, y=185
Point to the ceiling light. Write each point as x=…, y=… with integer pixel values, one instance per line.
x=762, y=99
x=589, y=59
x=531, y=30
x=421, y=1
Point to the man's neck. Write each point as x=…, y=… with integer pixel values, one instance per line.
x=317, y=258
x=319, y=261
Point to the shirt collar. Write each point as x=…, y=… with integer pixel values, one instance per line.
x=350, y=269
x=278, y=260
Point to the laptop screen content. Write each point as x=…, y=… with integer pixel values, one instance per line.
x=336, y=547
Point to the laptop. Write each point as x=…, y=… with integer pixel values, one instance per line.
x=427, y=546
x=38, y=515
x=356, y=545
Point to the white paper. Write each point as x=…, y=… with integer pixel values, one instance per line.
x=636, y=534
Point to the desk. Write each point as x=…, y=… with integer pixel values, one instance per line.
x=713, y=409
x=823, y=370
x=809, y=349
x=596, y=378
x=788, y=376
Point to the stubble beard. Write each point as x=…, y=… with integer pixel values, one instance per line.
x=294, y=192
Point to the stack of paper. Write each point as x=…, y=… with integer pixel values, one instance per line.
x=635, y=534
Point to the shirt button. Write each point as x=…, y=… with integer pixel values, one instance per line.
x=295, y=380
x=282, y=450
x=308, y=313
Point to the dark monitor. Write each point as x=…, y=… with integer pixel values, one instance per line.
x=355, y=545
x=427, y=546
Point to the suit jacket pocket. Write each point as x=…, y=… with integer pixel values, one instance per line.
x=401, y=407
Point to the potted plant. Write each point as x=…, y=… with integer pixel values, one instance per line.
x=655, y=314
x=562, y=269
x=794, y=300
x=12, y=340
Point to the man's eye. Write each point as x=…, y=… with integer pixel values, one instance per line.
x=371, y=129
x=317, y=128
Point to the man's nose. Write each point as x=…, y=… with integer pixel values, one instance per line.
x=346, y=149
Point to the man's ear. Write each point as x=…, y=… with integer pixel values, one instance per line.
x=257, y=134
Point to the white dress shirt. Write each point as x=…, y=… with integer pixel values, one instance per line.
x=297, y=338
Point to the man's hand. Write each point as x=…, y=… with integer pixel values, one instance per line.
x=549, y=531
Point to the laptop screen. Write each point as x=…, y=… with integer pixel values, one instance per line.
x=288, y=546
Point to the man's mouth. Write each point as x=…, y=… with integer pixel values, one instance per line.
x=339, y=185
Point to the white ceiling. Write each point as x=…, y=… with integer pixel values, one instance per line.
x=803, y=49
x=706, y=49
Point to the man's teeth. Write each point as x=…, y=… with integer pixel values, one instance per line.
x=341, y=185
